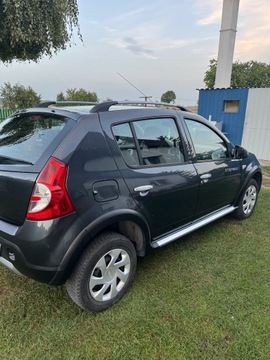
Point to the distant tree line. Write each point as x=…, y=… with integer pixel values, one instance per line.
x=250, y=74
x=74, y=94
x=20, y=97
x=168, y=97
x=17, y=96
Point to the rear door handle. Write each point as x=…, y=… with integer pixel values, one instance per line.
x=205, y=177
x=143, y=189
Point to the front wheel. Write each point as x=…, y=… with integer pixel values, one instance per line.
x=248, y=200
x=104, y=272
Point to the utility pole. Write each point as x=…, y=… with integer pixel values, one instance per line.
x=226, y=43
x=145, y=97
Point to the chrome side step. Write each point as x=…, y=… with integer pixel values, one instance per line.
x=194, y=226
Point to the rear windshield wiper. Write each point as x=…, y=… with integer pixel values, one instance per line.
x=11, y=160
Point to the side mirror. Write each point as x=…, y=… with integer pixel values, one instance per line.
x=239, y=152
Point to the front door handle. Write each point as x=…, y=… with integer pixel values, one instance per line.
x=205, y=177
x=143, y=189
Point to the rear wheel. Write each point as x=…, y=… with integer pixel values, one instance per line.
x=104, y=272
x=248, y=200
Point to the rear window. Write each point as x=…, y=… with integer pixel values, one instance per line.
x=23, y=138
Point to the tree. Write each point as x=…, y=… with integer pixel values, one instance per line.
x=74, y=94
x=18, y=97
x=251, y=74
x=168, y=97
x=31, y=28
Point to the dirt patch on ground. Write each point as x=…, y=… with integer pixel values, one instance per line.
x=266, y=181
x=264, y=162
x=266, y=173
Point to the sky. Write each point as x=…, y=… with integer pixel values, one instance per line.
x=144, y=48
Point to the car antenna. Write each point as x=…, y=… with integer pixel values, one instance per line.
x=145, y=97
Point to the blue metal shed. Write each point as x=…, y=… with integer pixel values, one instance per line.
x=227, y=106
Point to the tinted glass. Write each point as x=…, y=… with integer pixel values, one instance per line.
x=208, y=144
x=158, y=142
x=126, y=143
x=24, y=138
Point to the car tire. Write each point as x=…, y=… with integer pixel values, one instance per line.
x=103, y=273
x=247, y=201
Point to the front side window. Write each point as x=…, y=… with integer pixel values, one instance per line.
x=23, y=138
x=155, y=141
x=208, y=144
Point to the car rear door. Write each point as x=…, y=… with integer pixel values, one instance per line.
x=150, y=155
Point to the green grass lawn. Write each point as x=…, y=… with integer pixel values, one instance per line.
x=205, y=296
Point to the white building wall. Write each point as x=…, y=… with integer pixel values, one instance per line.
x=256, y=134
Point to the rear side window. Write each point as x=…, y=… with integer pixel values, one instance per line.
x=126, y=144
x=24, y=138
x=149, y=142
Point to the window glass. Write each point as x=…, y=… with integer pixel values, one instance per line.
x=126, y=144
x=23, y=138
x=231, y=106
x=208, y=145
x=159, y=141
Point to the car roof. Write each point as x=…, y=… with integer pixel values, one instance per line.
x=84, y=107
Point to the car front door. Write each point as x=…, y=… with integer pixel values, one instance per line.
x=219, y=173
x=152, y=161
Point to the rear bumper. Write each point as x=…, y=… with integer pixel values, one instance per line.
x=9, y=264
x=12, y=258
x=36, y=249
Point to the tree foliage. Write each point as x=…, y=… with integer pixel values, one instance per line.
x=33, y=28
x=168, y=96
x=18, y=97
x=251, y=74
x=74, y=94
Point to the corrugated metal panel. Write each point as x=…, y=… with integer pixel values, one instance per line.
x=4, y=113
x=256, y=136
x=211, y=104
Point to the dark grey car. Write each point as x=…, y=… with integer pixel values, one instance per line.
x=85, y=190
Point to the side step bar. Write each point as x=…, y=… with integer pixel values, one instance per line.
x=194, y=226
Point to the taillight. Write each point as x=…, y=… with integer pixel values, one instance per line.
x=50, y=198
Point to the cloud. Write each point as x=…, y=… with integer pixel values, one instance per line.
x=132, y=45
x=209, y=11
x=253, y=28
x=177, y=43
x=130, y=15
x=252, y=39
x=213, y=18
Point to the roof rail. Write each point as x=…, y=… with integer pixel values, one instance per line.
x=45, y=104
x=105, y=106
x=154, y=104
x=65, y=102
